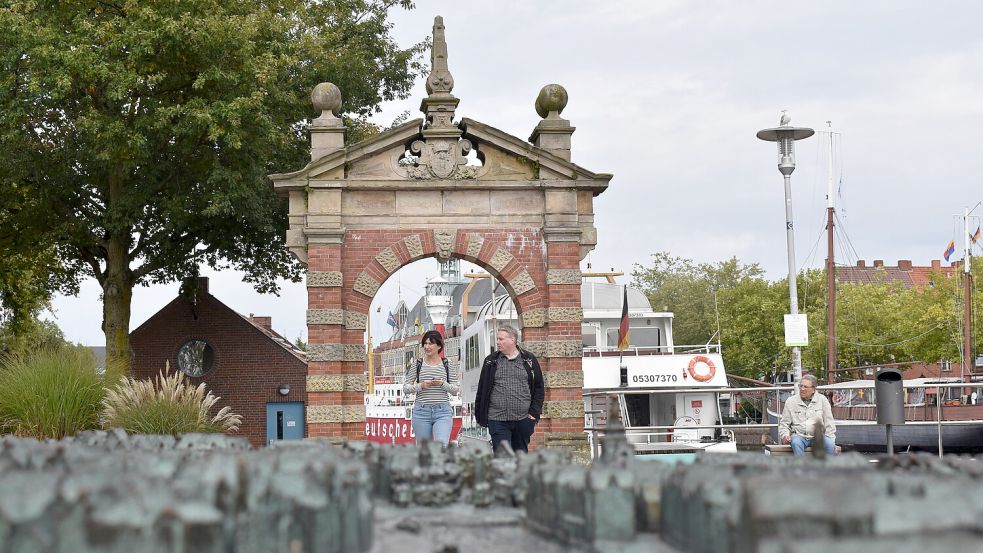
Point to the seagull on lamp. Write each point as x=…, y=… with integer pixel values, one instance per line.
x=786, y=118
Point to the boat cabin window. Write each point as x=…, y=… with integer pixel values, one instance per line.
x=637, y=406
x=471, y=353
x=640, y=336
x=589, y=334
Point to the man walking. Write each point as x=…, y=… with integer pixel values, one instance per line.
x=509, y=400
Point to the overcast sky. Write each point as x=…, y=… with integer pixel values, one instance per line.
x=668, y=96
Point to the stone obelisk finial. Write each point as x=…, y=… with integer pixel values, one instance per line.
x=440, y=81
x=442, y=151
x=440, y=104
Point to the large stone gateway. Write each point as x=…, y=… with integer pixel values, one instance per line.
x=436, y=187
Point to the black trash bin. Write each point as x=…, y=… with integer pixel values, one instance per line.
x=889, y=389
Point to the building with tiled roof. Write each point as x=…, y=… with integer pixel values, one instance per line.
x=256, y=371
x=904, y=273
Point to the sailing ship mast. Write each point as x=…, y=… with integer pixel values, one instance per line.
x=967, y=285
x=830, y=264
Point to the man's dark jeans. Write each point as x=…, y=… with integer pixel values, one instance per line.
x=517, y=433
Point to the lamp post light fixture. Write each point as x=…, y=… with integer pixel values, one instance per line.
x=438, y=302
x=786, y=135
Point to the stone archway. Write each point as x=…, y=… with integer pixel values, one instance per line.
x=360, y=212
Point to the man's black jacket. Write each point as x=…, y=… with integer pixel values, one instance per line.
x=487, y=381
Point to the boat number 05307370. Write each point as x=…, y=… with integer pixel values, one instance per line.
x=643, y=378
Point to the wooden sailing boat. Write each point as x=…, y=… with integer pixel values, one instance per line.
x=856, y=424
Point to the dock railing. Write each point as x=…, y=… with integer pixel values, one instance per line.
x=594, y=431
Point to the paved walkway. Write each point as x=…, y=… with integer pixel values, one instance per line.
x=467, y=529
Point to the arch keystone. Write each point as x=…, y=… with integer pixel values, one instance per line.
x=445, y=242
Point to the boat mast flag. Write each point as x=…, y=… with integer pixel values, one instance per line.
x=976, y=236
x=950, y=249
x=623, y=334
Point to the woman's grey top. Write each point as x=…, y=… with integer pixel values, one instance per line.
x=430, y=396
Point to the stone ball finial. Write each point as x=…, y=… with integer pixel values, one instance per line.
x=552, y=97
x=327, y=97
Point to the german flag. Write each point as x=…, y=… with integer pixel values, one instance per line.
x=623, y=335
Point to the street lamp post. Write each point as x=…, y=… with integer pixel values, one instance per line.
x=438, y=302
x=786, y=135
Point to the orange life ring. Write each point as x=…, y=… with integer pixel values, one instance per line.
x=712, y=370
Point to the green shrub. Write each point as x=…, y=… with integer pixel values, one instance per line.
x=50, y=393
x=165, y=405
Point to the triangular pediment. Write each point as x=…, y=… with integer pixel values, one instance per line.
x=389, y=157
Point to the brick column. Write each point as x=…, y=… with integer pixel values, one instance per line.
x=326, y=383
x=564, y=348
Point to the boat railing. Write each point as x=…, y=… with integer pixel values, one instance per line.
x=613, y=351
x=596, y=431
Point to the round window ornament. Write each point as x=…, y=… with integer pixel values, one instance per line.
x=195, y=358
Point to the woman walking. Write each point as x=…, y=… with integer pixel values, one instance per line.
x=431, y=380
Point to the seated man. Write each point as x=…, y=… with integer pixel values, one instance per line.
x=801, y=415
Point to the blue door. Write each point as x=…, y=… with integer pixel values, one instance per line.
x=284, y=421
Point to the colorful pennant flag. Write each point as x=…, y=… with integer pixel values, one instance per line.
x=623, y=333
x=976, y=235
x=950, y=249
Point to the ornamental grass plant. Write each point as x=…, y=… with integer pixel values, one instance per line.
x=168, y=404
x=50, y=393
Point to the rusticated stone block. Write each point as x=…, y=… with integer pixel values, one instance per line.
x=475, y=242
x=354, y=382
x=564, y=348
x=566, y=314
x=535, y=347
x=522, y=283
x=355, y=320
x=325, y=352
x=564, y=409
x=325, y=383
x=534, y=318
x=564, y=379
x=324, y=413
x=501, y=258
x=323, y=279
x=414, y=245
x=444, y=241
x=366, y=285
x=354, y=352
x=324, y=316
x=388, y=259
x=563, y=276
x=353, y=413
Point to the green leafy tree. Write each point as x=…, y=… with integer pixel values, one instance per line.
x=690, y=291
x=752, y=324
x=138, y=135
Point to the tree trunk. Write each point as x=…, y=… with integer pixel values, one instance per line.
x=117, y=290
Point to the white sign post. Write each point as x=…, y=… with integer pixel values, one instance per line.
x=796, y=330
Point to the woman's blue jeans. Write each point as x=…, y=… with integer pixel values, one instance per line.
x=433, y=422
